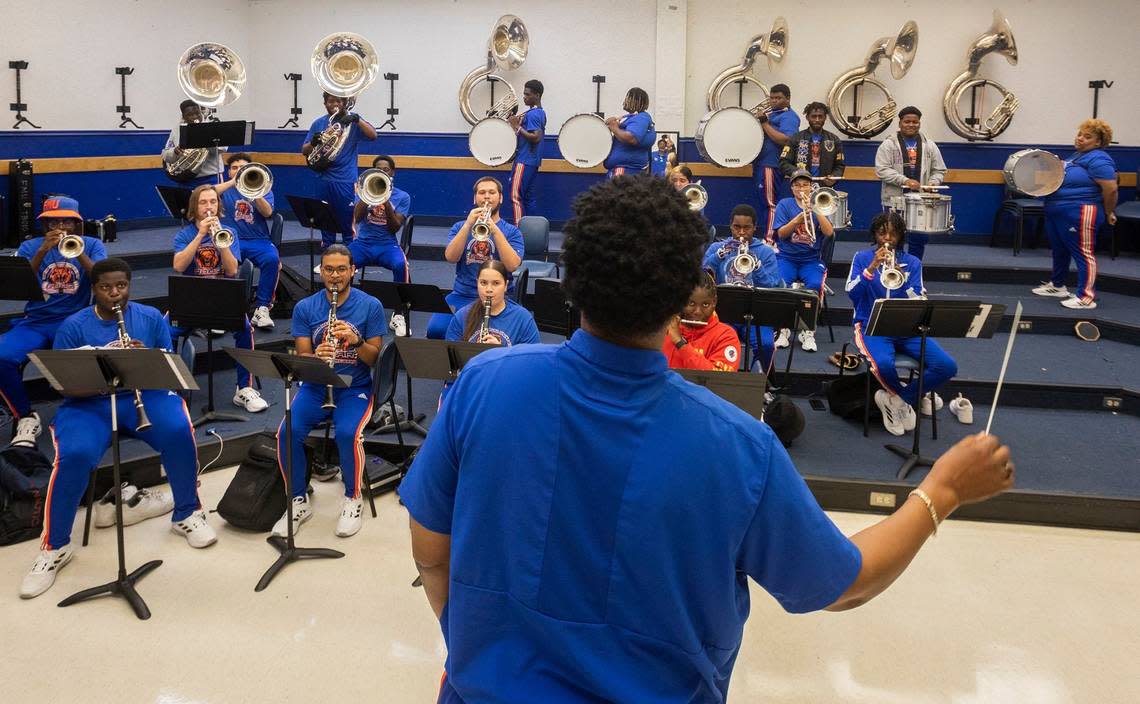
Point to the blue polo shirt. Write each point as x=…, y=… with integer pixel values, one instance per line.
x=363, y=313
x=243, y=216
x=1081, y=174
x=788, y=122
x=207, y=259
x=634, y=157
x=475, y=253
x=797, y=248
x=599, y=551
x=374, y=227
x=64, y=282
x=344, y=167
x=531, y=154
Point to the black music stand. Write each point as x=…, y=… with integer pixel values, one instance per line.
x=745, y=391
x=210, y=304
x=289, y=368
x=553, y=311
x=422, y=298
x=314, y=214
x=769, y=307
x=115, y=371
x=908, y=317
x=18, y=281
x=176, y=200
x=200, y=135
x=438, y=359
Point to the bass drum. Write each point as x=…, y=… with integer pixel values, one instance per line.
x=928, y=213
x=584, y=140
x=1034, y=172
x=729, y=137
x=492, y=141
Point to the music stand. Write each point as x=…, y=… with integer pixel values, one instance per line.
x=908, y=317
x=553, y=312
x=314, y=213
x=199, y=135
x=422, y=298
x=745, y=391
x=115, y=371
x=18, y=281
x=210, y=304
x=289, y=368
x=176, y=200
x=767, y=307
x=438, y=359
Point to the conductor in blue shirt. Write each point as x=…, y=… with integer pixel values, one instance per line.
x=530, y=128
x=579, y=556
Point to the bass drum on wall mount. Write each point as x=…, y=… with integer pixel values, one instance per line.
x=492, y=141
x=729, y=137
x=584, y=140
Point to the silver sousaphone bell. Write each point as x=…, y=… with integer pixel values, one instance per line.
x=374, y=187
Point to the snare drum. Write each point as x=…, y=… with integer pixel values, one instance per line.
x=492, y=141
x=927, y=213
x=1034, y=172
x=729, y=137
x=584, y=140
x=841, y=218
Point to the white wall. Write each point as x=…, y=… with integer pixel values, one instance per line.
x=1062, y=46
x=71, y=84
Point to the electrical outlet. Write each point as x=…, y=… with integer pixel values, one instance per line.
x=1112, y=402
x=965, y=275
x=882, y=499
x=1024, y=325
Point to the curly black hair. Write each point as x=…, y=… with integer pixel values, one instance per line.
x=889, y=219
x=632, y=254
x=107, y=266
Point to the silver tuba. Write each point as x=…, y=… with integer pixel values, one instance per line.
x=253, y=181
x=900, y=51
x=374, y=187
x=773, y=45
x=697, y=196
x=211, y=75
x=506, y=50
x=997, y=39
x=344, y=64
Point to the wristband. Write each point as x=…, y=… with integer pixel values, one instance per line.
x=358, y=345
x=929, y=507
x=680, y=343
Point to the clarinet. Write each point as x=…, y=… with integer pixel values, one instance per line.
x=125, y=343
x=330, y=402
x=485, y=327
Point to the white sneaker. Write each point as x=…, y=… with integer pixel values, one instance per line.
x=301, y=513
x=962, y=409
x=1073, y=302
x=906, y=412
x=28, y=430
x=925, y=405
x=782, y=338
x=261, y=319
x=1048, y=289
x=249, y=399
x=349, y=522
x=42, y=575
x=807, y=340
x=398, y=325
x=138, y=505
x=892, y=414
x=196, y=530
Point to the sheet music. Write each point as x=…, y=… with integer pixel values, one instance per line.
x=1004, y=365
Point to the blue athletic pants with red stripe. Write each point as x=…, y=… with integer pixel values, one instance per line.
x=340, y=196
x=243, y=340
x=772, y=186
x=383, y=254
x=23, y=337
x=762, y=341
x=1072, y=232
x=521, y=190
x=81, y=431
x=267, y=259
x=938, y=367
x=352, y=412
x=812, y=272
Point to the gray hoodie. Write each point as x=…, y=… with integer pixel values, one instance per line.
x=889, y=166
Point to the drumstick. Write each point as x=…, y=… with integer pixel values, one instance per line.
x=1004, y=364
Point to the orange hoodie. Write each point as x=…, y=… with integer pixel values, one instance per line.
x=714, y=347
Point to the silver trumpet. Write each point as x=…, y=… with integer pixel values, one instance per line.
x=744, y=263
x=253, y=181
x=809, y=222
x=330, y=402
x=997, y=39
x=481, y=230
x=70, y=246
x=697, y=196
x=223, y=238
x=374, y=186
x=890, y=274
x=125, y=343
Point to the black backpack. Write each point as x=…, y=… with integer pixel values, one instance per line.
x=24, y=477
x=292, y=286
x=255, y=498
x=847, y=396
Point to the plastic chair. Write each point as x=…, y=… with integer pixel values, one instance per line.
x=276, y=228
x=1020, y=209
x=536, y=238
x=522, y=280
x=1126, y=213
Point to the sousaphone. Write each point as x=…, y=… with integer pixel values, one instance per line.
x=899, y=51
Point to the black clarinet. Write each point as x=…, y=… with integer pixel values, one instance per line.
x=125, y=342
x=330, y=402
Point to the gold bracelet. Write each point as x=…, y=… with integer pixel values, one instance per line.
x=929, y=507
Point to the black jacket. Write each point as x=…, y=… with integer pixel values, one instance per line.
x=796, y=154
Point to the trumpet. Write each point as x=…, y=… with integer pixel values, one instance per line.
x=697, y=196
x=809, y=222
x=71, y=246
x=744, y=263
x=481, y=230
x=223, y=238
x=374, y=186
x=485, y=326
x=253, y=181
x=330, y=402
x=890, y=272
x=125, y=343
